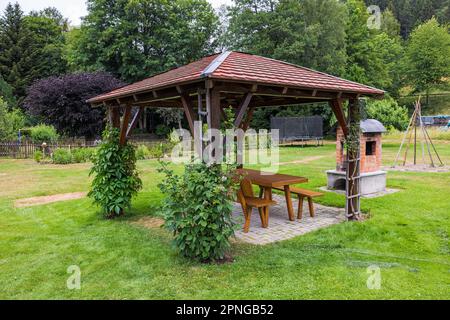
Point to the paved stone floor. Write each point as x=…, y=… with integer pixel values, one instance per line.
x=280, y=228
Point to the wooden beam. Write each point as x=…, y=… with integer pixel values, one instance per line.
x=338, y=109
x=284, y=102
x=125, y=121
x=135, y=120
x=214, y=116
x=188, y=111
x=242, y=109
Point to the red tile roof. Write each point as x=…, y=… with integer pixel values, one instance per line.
x=238, y=66
x=189, y=72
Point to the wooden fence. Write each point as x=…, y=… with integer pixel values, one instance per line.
x=26, y=149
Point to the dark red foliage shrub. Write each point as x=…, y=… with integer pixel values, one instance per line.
x=61, y=102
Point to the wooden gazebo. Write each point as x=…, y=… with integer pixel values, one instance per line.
x=245, y=82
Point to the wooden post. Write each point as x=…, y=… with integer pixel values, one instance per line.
x=353, y=166
x=214, y=116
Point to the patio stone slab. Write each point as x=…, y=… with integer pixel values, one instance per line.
x=280, y=228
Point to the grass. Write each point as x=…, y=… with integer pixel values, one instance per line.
x=407, y=237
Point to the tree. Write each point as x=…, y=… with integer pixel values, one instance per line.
x=135, y=39
x=373, y=55
x=411, y=13
x=61, y=101
x=6, y=91
x=10, y=121
x=53, y=14
x=31, y=47
x=428, y=56
x=11, y=32
x=389, y=113
x=308, y=32
x=389, y=24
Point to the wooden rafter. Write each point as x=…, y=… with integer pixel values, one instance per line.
x=188, y=111
x=338, y=109
x=242, y=109
x=125, y=122
x=246, y=124
x=135, y=121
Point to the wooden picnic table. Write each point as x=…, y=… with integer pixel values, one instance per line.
x=268, y=181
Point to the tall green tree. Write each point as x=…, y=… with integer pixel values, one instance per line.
x=428, y=56
x=307, y=32
x=11, y=33
x=31, y=47
x=372, y=54
x=411, y=13
x=135, y=39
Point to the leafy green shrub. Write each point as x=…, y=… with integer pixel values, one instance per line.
x=389, y=113
x=156, y=151
x=62, y=156
x=43, y=133
x=82, y=155
x=10, y=121
x=162, y=130
x=116, y=178
x=142, y=152
x=38, y=156
x=197, y=209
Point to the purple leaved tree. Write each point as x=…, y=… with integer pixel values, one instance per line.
x=61, y=102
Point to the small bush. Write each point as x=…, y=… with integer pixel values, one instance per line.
x=38, y=156
x=43, y=133
x=389, y=113
x=142, y=152
x=62, y=156
x=162, y=131
x=116, y=178
x=197, y=209
x=82, y=155
x=156, y=151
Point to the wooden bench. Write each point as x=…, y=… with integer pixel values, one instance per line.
x=302, y=194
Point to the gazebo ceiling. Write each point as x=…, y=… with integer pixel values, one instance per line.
x=234, y=74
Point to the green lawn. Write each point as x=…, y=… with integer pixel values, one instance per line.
x=407, y=237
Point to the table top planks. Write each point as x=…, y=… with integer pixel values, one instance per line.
x=276, y=180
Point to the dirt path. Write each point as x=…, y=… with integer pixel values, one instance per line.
x=149, y=222
x=37, y=201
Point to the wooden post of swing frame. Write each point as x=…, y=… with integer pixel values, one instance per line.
x=353, y=205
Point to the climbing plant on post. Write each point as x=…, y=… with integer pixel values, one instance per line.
x=352, y=143
x=116, y=179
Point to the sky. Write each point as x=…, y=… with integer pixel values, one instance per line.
x=72, y=9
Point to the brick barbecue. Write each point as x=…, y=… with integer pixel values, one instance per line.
x=373, y=179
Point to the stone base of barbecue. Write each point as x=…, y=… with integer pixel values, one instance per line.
x=371, y=182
